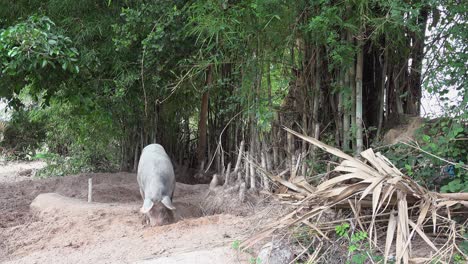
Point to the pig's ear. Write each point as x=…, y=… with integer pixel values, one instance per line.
x=147, y=205
x=167, y=202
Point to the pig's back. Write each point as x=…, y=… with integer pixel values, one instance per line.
x=155, y=172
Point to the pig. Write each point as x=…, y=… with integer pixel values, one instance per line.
x=156, y=180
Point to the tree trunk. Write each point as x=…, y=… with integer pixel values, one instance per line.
x=382, y=93
x=304, y=123
x=346, y=112
x=398, y=92
x=266, y=185
x=359, y=123
x=253, y=175
x=246, y=168
x=276, y=145
x=135, y=159
x=339, y=121
x=317, y=91
x=202, y=125
x=336, y=116
x=352, y=81
x=270, y=102
x=414, y=89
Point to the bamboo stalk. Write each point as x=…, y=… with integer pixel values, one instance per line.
x=359, y=121
x=266, y=185
x=246, y=168
x=239, y=156
x=252, y=173
x=290, y=149
x=317, y=89
x=382, y=93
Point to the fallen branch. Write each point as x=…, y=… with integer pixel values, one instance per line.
x=396, y=203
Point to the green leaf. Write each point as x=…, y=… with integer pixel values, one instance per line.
x=455, y=185
x=359, y=258
x=407, y=167
x=444, y=189
x=12, y=52
x=426, y=138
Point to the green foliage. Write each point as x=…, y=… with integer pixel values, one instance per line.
x=83, y=123
x=70, y=140
x=342, y=230
x=235, y=244
x=358, y=247
x=23, y=134
x=162, y=52
x=445, y=138
x=463, y=246
x=142, y=66
x=61, y=166
x=253, y=260
x=455, y=185
x=458, y=259
x=448, y=54
x=251, y=36
x=30, y=51
x=84, y=142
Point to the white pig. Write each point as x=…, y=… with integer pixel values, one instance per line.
x=156, y=178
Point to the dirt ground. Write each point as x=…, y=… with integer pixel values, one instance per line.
x=15, y=171
x=405, y=132
x=62, y=227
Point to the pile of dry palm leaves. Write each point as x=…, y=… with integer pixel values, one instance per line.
x=391, y=207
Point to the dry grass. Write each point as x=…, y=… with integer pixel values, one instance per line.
x=391, y=207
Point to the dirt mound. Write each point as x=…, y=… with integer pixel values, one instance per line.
x=15, y=197
x=403, y=132
x=221, y=200
x=53, y=204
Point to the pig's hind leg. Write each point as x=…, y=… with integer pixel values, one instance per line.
x=146, y=218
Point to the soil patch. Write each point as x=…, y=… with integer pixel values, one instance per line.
x=62, y=227
x=15, y=171
x=404, y=132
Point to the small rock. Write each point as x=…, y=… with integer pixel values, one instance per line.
x=25, y=173
x=275, y=253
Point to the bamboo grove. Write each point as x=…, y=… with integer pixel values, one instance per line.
x=199, y=77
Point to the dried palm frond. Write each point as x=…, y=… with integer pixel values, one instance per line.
x=397, y=204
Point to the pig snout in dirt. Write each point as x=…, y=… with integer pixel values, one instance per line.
x=157, y=183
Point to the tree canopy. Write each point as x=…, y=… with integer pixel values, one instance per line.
x=108, y=77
